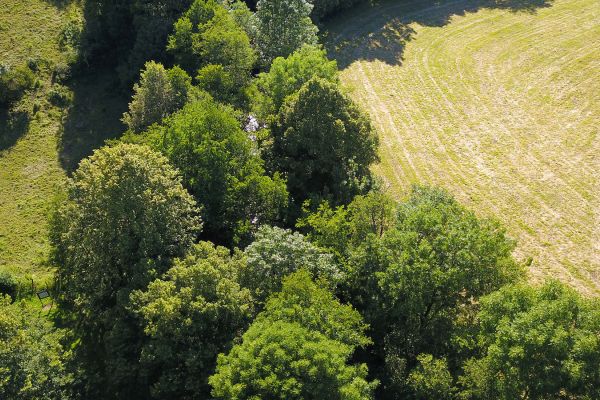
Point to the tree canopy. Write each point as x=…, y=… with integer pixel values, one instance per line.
x=125, y=211
x=190, y=316
x=324, y=144
x=33, y=362
x=294, y=350
x=283, y=26
x=414, y=270
x=276, y=253
x=287, y=75
x=159, y=93
x=537, y=343
x=221, y=168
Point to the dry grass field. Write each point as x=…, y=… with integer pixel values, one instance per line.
x=498, y=102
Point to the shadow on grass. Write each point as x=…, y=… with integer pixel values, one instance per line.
x=12, y=126
x=60, y=4
x=380, y=31
x=94, y=116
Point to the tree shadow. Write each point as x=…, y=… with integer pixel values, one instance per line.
x=60, y=4
x=93, y=117
x=13, y=124
x=380, y=31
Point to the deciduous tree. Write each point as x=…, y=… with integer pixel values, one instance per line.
x=190, y=316
x=283, y=26
x=324, y=144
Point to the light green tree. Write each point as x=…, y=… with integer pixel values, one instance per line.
x=159, y=93
x=125, y=216
x=275, y=253
x=190, y=316
x=431, y=379
x=283, y=26
x=298, y=348
x=33, y=363
x=537, y=343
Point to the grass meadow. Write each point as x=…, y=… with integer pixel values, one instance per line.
x=496, y=101
x=42, y=141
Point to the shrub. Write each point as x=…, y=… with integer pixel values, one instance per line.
x=8, y=284
x=14, y=83
x=60, y=96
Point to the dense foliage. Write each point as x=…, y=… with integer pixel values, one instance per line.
x=32, y=359
x=209, y=41
x=125, y=215
x=287, y=75
x=276, y=253
x=414, y=276
x=221, y=168
x=537, y=343
x=159, y=93
x=324, y=144
x=283, y=26
x=298, y=348
x=240, y=135
x=190, y=316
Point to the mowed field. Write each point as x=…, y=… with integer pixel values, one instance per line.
x=498, y=102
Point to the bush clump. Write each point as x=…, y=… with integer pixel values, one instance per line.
x=14, y=82
x=8, y=284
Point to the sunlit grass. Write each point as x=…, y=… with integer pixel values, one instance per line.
x=500, y=105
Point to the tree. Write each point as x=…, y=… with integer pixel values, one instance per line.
x=124, y=217
x=324, y=144
x=159, y=93
x=276, y=253
x=340, y=230
x=208, y=36
x=222, y=169
x=416, y=276
x=536, y=343
x=186, y=31
x=128, y=33
x=287, y=75
x=283, y=26
x=431, y=379
x=190, y=316
x=312, y=305
x=224, y=42
x=32, y=360
x=298, y=348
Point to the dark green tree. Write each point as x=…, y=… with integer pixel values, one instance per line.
x=287, y=75
x=282, y=27
x=208, y=40
x=416, y=274
x=190, y=316
x=324, y=144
